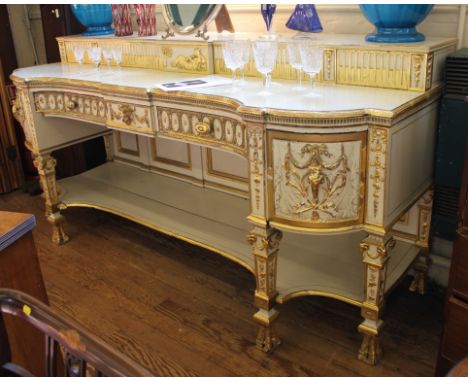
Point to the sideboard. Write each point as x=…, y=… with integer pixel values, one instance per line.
x=332, y=189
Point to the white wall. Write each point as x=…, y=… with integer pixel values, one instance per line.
x=442, y=21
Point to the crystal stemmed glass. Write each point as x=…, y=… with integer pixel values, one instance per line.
x=94, y=54
x=311, y=58
x=245, y=56
x=117, y=55
x=79, y=52
x=294, y=56
x=232, y=53
x=265, y=52
x=107, y=54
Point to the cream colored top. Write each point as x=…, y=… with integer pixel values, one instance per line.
x=281, y=95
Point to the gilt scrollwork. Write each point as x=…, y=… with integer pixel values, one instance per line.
x=128, y=115
x=17, y=110
x=320, y=182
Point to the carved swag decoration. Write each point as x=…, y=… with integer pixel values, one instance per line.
x=321, y=181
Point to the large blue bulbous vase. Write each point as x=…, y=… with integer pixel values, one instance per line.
x=97, y=18
x=395, y=23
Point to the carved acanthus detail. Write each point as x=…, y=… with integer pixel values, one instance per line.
x=321, y=181
x=377, y=165
x=255, y=142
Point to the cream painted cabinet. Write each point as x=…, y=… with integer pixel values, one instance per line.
x=331, y=190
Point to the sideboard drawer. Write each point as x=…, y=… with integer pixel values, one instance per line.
x=316, y=181
x=78, y=106
x=125, y=116
x=203, y=128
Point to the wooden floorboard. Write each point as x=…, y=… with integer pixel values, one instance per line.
x=180, y=310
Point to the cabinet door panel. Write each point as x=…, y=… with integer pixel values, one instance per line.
x=316, y=181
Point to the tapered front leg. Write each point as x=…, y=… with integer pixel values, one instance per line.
x=423, y=262
x=265, y=244
x=45, y=165
x=375, y=252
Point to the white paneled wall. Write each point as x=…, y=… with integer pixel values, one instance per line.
x=442, y=21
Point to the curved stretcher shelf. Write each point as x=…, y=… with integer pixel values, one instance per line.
x=318, y=265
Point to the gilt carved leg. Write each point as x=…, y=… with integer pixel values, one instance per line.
x=423, y=262
x=375, y=252
x=265, y=244
x=45, y=165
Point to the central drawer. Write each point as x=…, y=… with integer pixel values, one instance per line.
x=201, y=127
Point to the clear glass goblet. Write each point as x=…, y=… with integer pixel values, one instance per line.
x=311, y=58
x=232, y=54
x=265, y=53
x=245, y=51
x=294, y=56
x=94, y=54
x=117, y=55
x=107, y=54
x=79, y=52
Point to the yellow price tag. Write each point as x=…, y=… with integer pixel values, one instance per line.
x=26, y=310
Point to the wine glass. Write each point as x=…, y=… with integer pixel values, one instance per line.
x=94, y=54
x=117, y=55
x=79, y=51
x=245, y=55
x=232, y=54
x=107, y=54
x=311, y=58
x=265, y=53
x=294, y=56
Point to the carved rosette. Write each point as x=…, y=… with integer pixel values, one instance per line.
x=377, y=163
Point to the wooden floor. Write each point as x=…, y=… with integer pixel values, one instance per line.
x=183, y=311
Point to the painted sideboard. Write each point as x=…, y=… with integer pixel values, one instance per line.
x=332, y=189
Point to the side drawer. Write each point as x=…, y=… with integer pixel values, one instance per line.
x=203, y=128
x=316, y=181
x=79, y=106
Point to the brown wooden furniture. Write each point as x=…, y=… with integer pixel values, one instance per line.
x=454, y=342
x=11, y=172
x=81, y=352
x=21, y=271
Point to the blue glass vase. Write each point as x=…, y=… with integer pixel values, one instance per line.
x=395, y=23
x=97, y=18
x=305, y=19
x=268, y=10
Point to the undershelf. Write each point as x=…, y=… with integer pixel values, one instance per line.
x=307, y=264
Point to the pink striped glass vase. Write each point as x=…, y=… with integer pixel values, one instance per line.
x=146, y=19
x=122, y=20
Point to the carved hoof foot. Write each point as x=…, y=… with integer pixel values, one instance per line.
x=267, y=340
x=370, y=351
x=419, y=283
x=58, y=234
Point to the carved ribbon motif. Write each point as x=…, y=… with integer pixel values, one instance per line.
x=320, y=182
